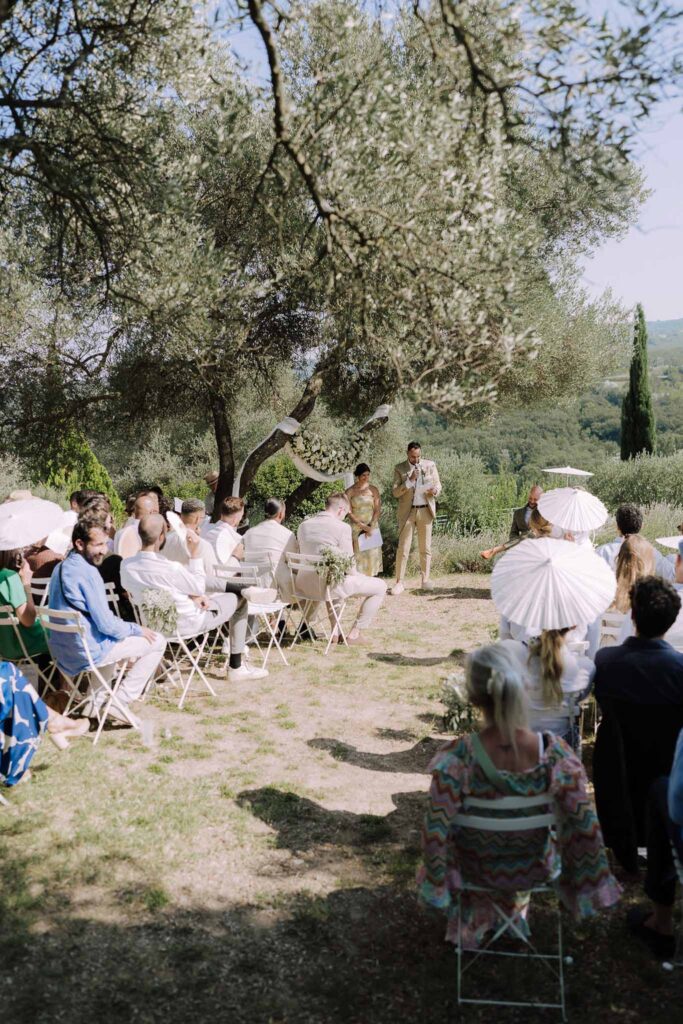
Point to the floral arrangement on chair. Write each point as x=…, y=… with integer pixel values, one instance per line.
x=460, y=716
x=159, y=611
x=333, y=567
x=328, y=458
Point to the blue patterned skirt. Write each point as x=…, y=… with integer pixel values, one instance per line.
x=23, y=718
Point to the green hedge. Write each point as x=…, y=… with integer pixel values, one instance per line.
x=645, y=480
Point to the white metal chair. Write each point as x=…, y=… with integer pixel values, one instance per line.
x=474, y=816
x=40, y=591
x=310, y=607
x=183, y=653
x=112, y=598
x=9, y=620
x=253, y=575
x=71, y=622
x=610, y=628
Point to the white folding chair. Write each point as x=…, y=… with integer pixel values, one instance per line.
x=310, y=607
x=527, y=813
x=71, y=622
x=9, y=620
x=182, y=653
x=610, y=628
x=112, y=598
x=40, y=591
x=253, y=575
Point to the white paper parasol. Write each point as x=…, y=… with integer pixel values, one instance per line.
x=552, y=584
x=24, y=522
x=59, y=540
x=670, y=542
x=567, y=471
x=573, y=509
x=179, y=528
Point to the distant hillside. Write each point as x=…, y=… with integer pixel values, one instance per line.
x=665, y=333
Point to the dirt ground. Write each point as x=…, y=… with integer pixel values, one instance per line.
x=256, y=864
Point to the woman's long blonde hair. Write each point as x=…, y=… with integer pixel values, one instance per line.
x=636, y=559
x=549, y=648
x=496, y=685
x=539, y=524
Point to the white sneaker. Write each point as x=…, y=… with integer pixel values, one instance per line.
x=427, y=584
x=397, y=589
x=236, y=675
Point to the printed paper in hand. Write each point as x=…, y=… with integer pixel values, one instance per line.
x=368, y=541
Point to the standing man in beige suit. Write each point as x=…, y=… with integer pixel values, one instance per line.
x=417, y=486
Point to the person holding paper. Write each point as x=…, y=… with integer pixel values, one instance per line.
x=416, y=486
x=364, y=515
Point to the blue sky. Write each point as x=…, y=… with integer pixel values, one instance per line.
x=647, y=265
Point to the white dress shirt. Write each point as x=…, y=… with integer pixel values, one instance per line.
x=272, y=540
x=127, y=540
x=176, y=551
x=577, y=675
x=150, y=570
x=419, y=486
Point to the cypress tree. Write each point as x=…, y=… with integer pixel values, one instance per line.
x=637, y=415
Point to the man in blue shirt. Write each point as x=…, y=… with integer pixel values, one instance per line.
x=76, y=585
x=664, y=828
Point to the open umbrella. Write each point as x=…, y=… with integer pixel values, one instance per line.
x=552, y=584
x=59, y=540
x=573, y=509
x=567, y=471
x=670, y=542
x=24, y=522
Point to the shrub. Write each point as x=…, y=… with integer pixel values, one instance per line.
x=644, y=480
x=71, y=465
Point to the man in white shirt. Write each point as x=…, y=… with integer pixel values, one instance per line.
x=328, y=530
x=629, y=520
x=417, y=486
x=149, y=569
x=127, y=540
x=270, y=539
x=223, y=536
x=192, y=516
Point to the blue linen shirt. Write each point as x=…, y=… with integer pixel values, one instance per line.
x=676, y=787
x=76, y=585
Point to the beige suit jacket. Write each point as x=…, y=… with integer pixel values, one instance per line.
x=273, y=540
x=320, y=531
x=404, y=493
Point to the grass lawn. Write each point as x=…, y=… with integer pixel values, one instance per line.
x=257, y=863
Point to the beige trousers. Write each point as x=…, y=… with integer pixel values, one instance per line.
x=420, y=519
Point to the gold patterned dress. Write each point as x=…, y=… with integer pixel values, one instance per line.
x=363, y=508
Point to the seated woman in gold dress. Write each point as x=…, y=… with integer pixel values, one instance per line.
x=364, y=516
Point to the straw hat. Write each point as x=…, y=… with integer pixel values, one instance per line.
x=212, y=477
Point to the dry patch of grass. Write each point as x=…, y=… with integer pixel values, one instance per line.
x=257, y=864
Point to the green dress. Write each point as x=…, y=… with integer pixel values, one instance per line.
x=12, y=593
x=367, y=562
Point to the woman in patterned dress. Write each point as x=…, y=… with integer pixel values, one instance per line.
x=23, y=719
x=365, y=509
x=506, y=758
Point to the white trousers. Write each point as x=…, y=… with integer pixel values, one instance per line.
x=371, y=588
x=224, y=608
x=146, y=657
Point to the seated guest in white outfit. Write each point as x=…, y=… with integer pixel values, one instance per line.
x=127, y=540
x=76, y=585
x=192, y=515
x=270, y=539
x=223, y=536
x=629, y=520
x=197, y=613
x=328, y=530
x=552, y=674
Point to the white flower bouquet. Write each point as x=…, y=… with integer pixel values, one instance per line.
x=460, y=716
x=334, y=566
x=159, y=611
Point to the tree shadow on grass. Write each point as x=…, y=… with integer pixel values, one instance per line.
x=455, y=658
x=414, y=760
x=459, y=593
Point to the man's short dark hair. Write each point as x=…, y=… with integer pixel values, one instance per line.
x=655, y=605
x=80, y=497
x=272, y=507
x=412, y=445
x=84, y=527
x=629, y=519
